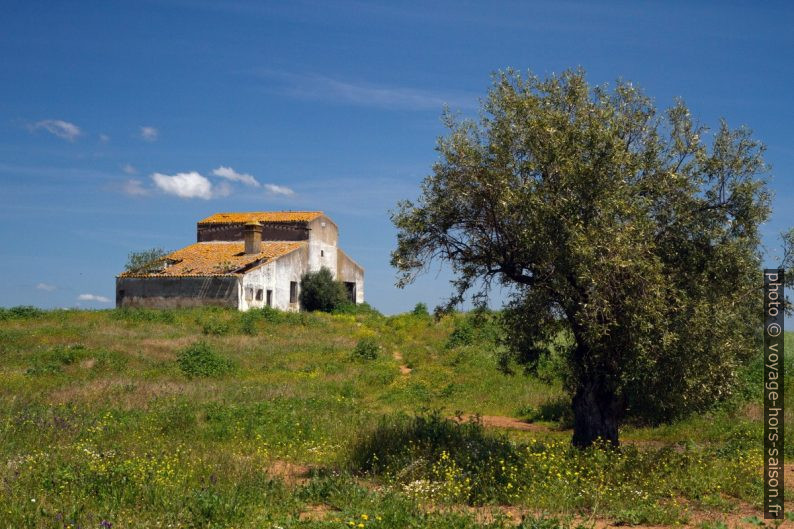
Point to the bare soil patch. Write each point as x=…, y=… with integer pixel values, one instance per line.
x=500, y=421
x=404, y=369
x=290, y=473
x=315, y=513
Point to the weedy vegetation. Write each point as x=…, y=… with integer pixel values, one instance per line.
x=142, y=418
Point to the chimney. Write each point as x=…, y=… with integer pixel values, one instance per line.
x=253, y=237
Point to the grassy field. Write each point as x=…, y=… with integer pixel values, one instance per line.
x=212, y=418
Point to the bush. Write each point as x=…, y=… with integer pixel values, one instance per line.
x=201, y=360
x=215, y=327
x=21, y=312
x=432, y=447
x=554, y=410
x=319, y=291
x=145, y=261
x=420, y=309
x=366, y=349
x=140, y=315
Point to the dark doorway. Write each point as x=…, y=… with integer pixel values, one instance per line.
x=351, y=291
x=269, y=298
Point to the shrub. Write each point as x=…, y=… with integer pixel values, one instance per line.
x=420, y=309
x=51, y=361
x=462, y=334
x=21, y=312
x=248, y=322
x=366, y=349
x=215, y=327
x=431, y=447
x=145, y=261
x=554, y=410
x=319, y=291
x=201, y=360
x=140, y=315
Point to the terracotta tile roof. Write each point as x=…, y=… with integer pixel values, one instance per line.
x=216, y=259
x=261, y=216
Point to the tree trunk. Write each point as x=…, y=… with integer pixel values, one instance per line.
x=596, y=413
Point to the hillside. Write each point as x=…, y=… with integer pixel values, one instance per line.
x=213, y=418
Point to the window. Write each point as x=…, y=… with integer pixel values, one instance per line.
x=293, y=291
x=269, y=298
x=322, y=253
x=249, y=293
x=259, y=294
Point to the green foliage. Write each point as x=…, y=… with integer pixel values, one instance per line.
x=201, y=360
x=99, y=422
x=145, y=261
x=447, y=462
x=20, y=312
x=366, y=349
x=554, y=410
x=319, y=291
x=141, y=315
x=420, y=309
x=613, y=223
x=248, y=322
x=215, y=327
x=477, y=327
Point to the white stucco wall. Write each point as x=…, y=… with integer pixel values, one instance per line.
x=275, y=276
x=351, y=271
x=323, y=240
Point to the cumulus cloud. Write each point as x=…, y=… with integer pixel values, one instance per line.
x=279, y=190
x=129, y=169
x=149, y=133
x=185, y=185
x=134, y=187
x=230, y=174
x=46, y=287
x=62, y=129
x=93, y=297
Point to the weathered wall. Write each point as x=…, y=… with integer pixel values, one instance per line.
x=350, y=272
x=275, y=276
x=297, y=231
x=175, y=292
x=323, y=238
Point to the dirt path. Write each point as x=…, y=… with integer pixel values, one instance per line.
x=404, y=369
x=500, y=421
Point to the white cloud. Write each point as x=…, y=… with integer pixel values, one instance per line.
x=185, y=185
x=104, y=138
x=149, y=133
x=321, y=87
x=62, y=129
x=279, y=190
x=46, y=287
x=221, y=190
x=134, y=187
x=230, y=174
x=93, y=297
x=129, y=169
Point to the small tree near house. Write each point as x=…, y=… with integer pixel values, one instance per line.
x=320, y=291
x=145, y=260
x=617, y=227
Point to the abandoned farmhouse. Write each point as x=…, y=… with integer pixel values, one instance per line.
x=244, y=260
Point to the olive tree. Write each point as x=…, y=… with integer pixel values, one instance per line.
x=629, y=232
x=145, y=260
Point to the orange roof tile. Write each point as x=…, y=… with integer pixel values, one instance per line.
x=216, y=259
x=262, y=216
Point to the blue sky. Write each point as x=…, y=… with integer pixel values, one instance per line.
x=328, y=105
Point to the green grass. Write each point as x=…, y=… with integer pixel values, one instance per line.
x=212, y=418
